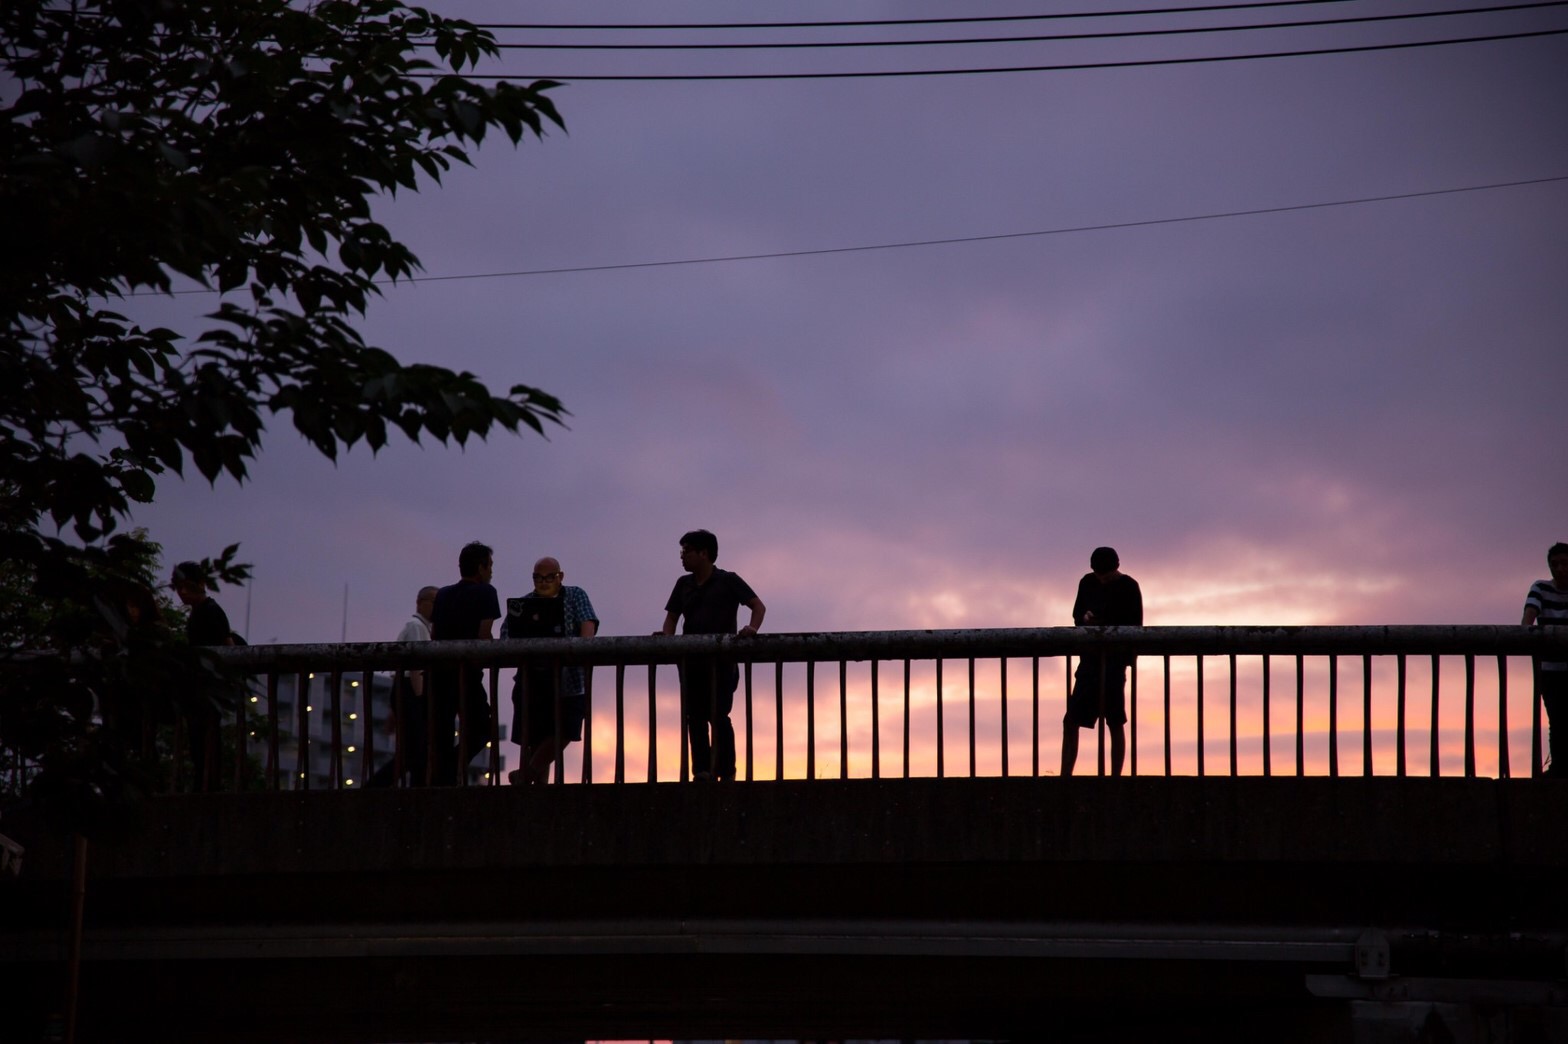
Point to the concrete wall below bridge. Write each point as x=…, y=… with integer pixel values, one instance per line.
x=1309, y=909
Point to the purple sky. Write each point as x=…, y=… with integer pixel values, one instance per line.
x=1336, y=415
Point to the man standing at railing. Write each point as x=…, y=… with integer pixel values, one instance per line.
x=1547, y=605
x=205, y=624
x=547, y=705
x=411, y=715
x=1107, y=597
x=709, y=599
x=463, y=611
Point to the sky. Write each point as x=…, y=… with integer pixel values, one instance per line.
x=1324, y=414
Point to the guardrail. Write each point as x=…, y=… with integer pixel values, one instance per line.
x=1417, y=699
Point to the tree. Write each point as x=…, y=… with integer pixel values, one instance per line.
x=230, y=146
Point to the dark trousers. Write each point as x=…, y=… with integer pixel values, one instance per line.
x=1553, y=687
x=412, y=738
x=704, y=704
x=475, y=732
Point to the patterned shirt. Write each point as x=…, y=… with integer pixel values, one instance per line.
x=1551, y=607
x=575, y=610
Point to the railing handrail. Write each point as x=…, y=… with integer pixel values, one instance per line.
x=1384, y=640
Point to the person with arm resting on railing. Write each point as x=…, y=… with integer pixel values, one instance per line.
x=1547, y=606
x=1107, y=597
x=551, y=610
x=709, y=599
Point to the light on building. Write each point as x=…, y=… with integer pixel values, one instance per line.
x=348, y=782
x=487, y=744
x=352, y=716
x=255, y=699
x=309, y=709
x=353, y=684
x=312, y=675
x=351, y=749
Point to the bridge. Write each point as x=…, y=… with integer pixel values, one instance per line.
x=1399, y=904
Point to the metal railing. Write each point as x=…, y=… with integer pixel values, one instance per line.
x=1415, y=701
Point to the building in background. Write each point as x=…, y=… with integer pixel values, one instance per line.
x=335, y=758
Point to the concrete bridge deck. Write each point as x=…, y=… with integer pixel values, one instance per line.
x=1240, y=908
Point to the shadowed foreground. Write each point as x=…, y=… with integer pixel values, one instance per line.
x=1286, y=909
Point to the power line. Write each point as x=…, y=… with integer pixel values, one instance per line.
x=1052, y=38
x=1066, y=67
x=1109, y=226
x=1200, y=8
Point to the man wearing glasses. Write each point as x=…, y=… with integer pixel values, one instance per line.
x=548, y=709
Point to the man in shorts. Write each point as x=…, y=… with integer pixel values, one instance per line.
x=1107, y=597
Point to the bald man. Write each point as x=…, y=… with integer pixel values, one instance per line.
x=552, y=610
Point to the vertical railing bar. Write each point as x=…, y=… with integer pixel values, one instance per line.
x=302, y=780
x=367, y=761
x=1366, y=715
x=906, y=718
x=1503, y=767
x=971, y=717
x=843, y=719
x=522, y=724
x=778, y=718
x=463, y=753
x=712, y=727
x=749, y=733
x=1067, y=689
x=620, y=723
x=272, y=730
x=555, y=718
x=876, y=732
x=430, y=730
x=493, y=744
x=1034, y=717
x=1200, y=714
x=1333, y=714
x=240, y=735
x=1301, y=716
x=1437, y=762
x=335, y=703
x=1469, y=715
x=587, y=773
x=1400, y=766
x=1268, y=739
x=653, y=724
x=940, y=745
x=811, y=719
x=1233, y=771
x=1002, y=666
x=1099, y=731
x=1167, y=665
x=1133, y=739
x=1536, y=769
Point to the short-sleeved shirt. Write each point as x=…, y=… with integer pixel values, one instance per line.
x=575, y=609
x=710, y=608
x=1551, y=607
x=460, y=608
x=207, y=624
x=416, y=630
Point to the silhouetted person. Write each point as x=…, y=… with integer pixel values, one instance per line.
x=709, y=600
x=551, y=610
x=1547, y=606
x=410, y=724
x=205, y=624
x=1107, y=597
x=464, y=611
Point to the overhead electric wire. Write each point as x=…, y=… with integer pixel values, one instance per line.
x=974, y=71
x=948, y=241
x=1194, y=9
x=1051, y=38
